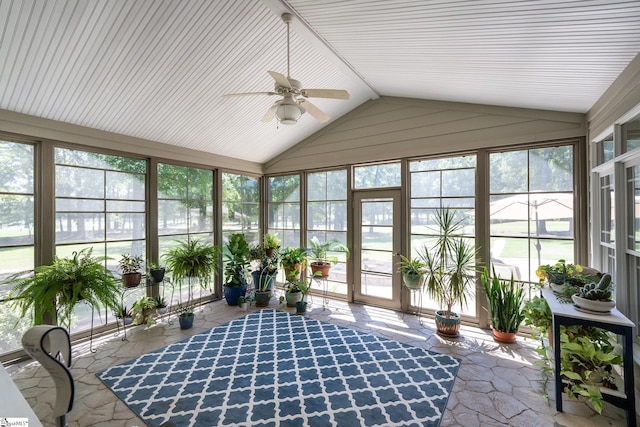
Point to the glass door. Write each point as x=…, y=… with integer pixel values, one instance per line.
x=377, y=243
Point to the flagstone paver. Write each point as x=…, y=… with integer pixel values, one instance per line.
x=497, y=384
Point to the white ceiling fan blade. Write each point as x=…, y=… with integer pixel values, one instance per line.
x=280, y=79
x=231, y=95
x=325, y=93
x=271, y=113
x=315, y=112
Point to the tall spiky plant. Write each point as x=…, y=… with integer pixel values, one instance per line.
x=506, y=301
x=450, y=262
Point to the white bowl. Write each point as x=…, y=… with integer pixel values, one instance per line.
x=591, y=305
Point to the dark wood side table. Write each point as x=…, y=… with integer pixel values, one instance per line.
x=566, y=314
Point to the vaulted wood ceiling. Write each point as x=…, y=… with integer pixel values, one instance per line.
x=157, y=69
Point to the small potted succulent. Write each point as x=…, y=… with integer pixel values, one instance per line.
x=131, y=266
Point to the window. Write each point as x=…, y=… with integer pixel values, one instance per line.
x=631, y=132
x=16, y=232
x=605, y=150
x=100, y=203
x=377, y=176
x=531, y=209
x=185, y=208
x=327, y=218
x=283, y=209
x=240, y=206
x=441, y=183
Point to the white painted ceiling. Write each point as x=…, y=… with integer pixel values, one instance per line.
x=157, y=69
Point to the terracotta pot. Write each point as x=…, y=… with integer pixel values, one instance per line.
x=322, y=267
x=448, y=327
x=294, y=267
x=504, y=337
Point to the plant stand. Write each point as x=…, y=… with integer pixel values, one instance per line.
x=411, y=292
x=149, y=290
x=616, y=322
x=324, y=283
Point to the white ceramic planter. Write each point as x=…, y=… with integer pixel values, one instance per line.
x=591, y=305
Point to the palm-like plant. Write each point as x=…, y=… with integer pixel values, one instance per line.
x=449, y=263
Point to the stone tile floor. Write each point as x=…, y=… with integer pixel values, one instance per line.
x=497, y=385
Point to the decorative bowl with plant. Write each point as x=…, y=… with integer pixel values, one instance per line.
x=596, y=296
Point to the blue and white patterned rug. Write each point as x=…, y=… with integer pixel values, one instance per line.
x=271, y=368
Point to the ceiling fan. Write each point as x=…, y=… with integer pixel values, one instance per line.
x=294, y=98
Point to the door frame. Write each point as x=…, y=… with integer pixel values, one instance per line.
x=357, y=296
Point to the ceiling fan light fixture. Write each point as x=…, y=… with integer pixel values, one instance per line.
x=288, y=112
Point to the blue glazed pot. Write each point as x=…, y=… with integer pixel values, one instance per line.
x=231, y=294
x=186, y=321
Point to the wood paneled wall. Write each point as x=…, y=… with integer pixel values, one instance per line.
x=391, y=128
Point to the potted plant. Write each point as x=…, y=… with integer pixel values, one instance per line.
x=323, y=262
x=264, y=274
x=293, y=292
x=123, y=313
x=588, y=357
x=191, y=260
x=271, y=244
x=156, y=272
x=51, y=292
x=412, y=271
x=293, y=260
x=450, y=269
x=242, y=303
x=161, y=305
x=596, y=297
x=144, y=312
x=566, y=279
x=505, y=306
x=536, y=313
x=130, y=265
x=305, y=288
x=237, y=253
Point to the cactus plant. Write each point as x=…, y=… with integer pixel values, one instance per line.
x=601, y=291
